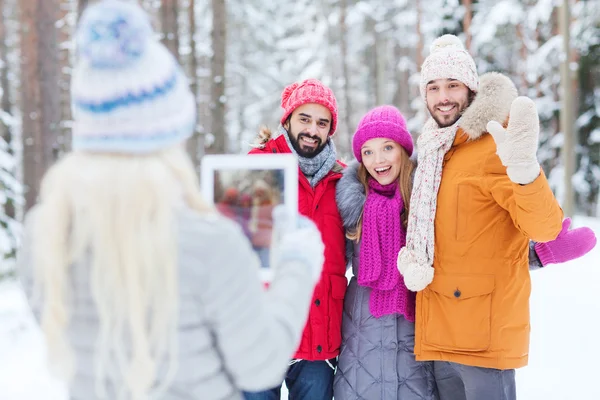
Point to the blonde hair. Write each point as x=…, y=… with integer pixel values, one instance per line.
x=407, y=167
x=118, y=212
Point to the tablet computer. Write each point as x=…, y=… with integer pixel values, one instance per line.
x=246, y=188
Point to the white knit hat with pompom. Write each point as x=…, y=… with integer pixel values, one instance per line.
x=449, y=60
x=129, y=94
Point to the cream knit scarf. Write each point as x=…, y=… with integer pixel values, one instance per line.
x=433, y=143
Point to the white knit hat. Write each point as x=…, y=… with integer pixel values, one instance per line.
x=129, y=94
x=449, y=60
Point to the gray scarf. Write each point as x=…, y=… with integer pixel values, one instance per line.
x=317, y=167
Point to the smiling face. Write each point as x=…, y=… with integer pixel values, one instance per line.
x=446, y=100
x=308, y=129
x=383, y=159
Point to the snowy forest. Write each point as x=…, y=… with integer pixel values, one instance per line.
x=240, y=54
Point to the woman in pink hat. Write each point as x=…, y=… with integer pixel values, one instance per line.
x=376, y=359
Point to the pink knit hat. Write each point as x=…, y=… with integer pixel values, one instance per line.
x=382, y=122
x=305, y=92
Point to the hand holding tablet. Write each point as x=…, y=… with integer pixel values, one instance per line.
x=246, y=189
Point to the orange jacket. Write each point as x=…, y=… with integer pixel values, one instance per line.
x=476, y=310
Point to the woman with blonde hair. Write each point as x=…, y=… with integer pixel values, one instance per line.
x=376, y=357
x=141, y=289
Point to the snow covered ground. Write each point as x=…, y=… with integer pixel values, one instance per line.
x=565, y=327
x=563, y=355
x=23, y=374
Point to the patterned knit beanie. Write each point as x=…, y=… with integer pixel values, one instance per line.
x=449, y=60
x=129, y=94
x=382, y=122
x=305, y=92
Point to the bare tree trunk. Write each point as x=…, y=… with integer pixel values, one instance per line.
x=371, y=63
x=64, y=35
x=380, y=63
x=204, y=89
x=193, y=56
x=522, y=67
x=567, y=111
x=401, y=95
x=81, y=5
x=420, y=44
x=217, y=67
x=194, y=142
x=5, y=102
x=422, y=110
x=346, y=76
x=169, y=12
x=468, y=5
x=238, y=80
x=4, y=82
x=40, y=92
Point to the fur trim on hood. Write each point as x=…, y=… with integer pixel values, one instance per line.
x=263, y=136
x=350, y=196
x=492, y=103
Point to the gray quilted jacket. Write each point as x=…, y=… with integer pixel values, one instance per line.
x=233, y=335
x=376, y=357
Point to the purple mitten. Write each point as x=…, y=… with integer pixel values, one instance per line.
x=567, y=246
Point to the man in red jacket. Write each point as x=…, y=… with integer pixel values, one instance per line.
x=307, y=124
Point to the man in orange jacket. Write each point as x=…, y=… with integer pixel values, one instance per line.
x=479, y=195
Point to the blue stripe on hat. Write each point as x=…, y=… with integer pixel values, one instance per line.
x=123, y=143
x=129, y=99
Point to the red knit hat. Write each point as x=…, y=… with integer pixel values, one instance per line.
x=305, y=92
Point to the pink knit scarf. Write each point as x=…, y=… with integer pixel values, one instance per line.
x=382, y=237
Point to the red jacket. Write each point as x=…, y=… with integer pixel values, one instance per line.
x=323, y=332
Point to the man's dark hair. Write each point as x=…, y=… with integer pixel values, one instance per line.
x=471, y=97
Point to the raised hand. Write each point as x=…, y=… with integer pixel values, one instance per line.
x=517, y=144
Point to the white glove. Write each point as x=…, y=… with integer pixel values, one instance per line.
x=517, y=144
x=417, y=275
x=300, y=242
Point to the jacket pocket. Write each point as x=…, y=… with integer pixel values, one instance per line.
x=336, y=305
x=459, y=309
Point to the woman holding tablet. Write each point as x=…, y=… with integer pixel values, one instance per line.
x=142, y=290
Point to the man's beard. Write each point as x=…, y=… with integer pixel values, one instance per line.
x=305, y=151
x=443, y=123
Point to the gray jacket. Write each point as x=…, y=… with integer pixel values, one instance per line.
x=376, y=356
x=233, y=336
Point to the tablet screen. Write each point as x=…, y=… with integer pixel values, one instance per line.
x=246, y=188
